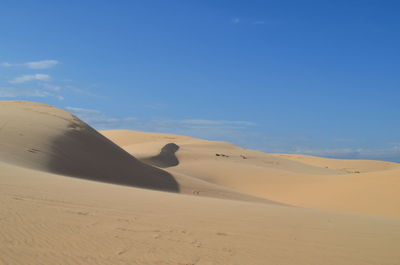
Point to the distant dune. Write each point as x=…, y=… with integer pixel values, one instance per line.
x=182, y=200
x=357, y=186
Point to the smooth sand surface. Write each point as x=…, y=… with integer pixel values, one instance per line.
x=60, y=202
x=52, y=219
x=354, y=186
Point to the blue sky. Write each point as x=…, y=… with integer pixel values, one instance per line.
x=316, y=77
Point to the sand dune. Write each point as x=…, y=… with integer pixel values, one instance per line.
x=46, y=138
x=51, y=219
x=52, y=140
x=52, y=212
x=356, y=186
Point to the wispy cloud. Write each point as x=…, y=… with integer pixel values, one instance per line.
x=207, y=129
x=221, y=130
x=34, y=83
x=83, y=92
x=391, y=153
x=12, y=92
x=242, y=133
x=235, y=20
x=210, y=129
x=52, y=87
x=27, y=78
x=99, y=119
x=43, y=64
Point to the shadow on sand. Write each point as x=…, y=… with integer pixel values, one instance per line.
x=166, y=158
x=84, y=153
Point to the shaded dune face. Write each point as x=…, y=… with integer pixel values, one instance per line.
x=53, y=140
x=99, y=159
x=166, y=158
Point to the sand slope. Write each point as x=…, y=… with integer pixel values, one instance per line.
x=52, y=212
x=357, y=186
x=51, y=219
x=46, y=138
x=52, y=140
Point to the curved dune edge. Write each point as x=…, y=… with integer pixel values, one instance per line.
x=52, y=140
x=354, y=186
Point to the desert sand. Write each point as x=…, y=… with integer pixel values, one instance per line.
x=72, y=195
x=354, y=186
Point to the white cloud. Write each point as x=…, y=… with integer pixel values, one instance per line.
x=391, y=153
x=41, y=64
x=12, y=92
x=232, y=131
x=208, y=129
x=235, y=20
x=18, y=92
x=44, y=64
x=27, y=78
x=99, y=119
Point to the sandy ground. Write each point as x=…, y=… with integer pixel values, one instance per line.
x=354, y=186
x=181, y=200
